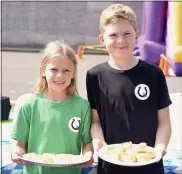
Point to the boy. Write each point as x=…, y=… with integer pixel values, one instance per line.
x=129, y=97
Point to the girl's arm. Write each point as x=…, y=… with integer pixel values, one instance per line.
x=164, y=130
x=18, y=149
x=88, y=151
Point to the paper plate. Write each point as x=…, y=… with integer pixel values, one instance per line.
x=105, y=155
x=81, y=161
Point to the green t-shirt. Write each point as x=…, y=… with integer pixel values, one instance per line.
x=50, y=127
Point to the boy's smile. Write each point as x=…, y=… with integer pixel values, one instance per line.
x=122, y=48
x=119, y=39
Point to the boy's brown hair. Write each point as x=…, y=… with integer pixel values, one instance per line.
x=114, y=13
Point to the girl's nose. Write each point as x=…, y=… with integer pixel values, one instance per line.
x=59, y=74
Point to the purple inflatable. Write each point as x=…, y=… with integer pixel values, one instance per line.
x=152, y=41
x=155, y=21
x=155, y=36
x=151, y=51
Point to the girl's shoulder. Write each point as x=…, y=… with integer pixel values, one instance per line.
x=23, y=100
x=80, y=100
x=26, y=100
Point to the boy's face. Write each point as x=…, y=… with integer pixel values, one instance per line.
x=119, y=39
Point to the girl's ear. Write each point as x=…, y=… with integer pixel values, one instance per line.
x=42, y=71
x=101, y=38
x=73, y=76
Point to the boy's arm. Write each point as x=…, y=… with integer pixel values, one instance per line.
x=96, y=131
x=164, y=124
x=164, y=130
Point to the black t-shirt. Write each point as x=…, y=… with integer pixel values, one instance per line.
x=128, y=101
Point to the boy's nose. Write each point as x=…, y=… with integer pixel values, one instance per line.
x=120, y=39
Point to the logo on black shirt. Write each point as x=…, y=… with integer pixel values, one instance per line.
x=74, y=124
x=142, y=91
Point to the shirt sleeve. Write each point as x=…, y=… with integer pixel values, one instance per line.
x=162, y=92
x=21, y=124
x=90, y=90
x=86, y=136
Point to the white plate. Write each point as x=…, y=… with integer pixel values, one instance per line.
x=66, y=164
x=108, y=157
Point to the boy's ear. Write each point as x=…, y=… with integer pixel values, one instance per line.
x=101, y=38
x=73, y=76
x=137, y=35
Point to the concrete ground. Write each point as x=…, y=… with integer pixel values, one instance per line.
x=20, y=71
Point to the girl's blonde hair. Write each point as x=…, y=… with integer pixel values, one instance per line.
x=55, y=49
x=114, y=13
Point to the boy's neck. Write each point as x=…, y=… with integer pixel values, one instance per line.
x=55, y=96
x=123, y=65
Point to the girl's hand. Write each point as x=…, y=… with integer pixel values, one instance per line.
x=89, y=163
x=15, y=157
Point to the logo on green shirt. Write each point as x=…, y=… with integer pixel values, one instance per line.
x=74, y=124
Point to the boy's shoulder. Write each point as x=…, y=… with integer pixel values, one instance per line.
x=151, y=68
x=146, y=66
x=97, y=68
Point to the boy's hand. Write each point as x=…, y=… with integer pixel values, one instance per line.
x=161, y=148
x=97, y=144
x=89, y=163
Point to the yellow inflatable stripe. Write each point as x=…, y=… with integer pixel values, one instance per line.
x=177, y=21
x=100, y=46
x=94, y=48
x=178, y=55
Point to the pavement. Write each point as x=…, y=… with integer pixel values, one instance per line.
x=20, y=71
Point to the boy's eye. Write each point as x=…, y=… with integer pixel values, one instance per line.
x=113, y=35
x=127, y=33
x=66, y=70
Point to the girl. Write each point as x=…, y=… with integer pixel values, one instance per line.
x=54, y=120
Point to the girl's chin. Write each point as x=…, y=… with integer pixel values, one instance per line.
x=58, y=90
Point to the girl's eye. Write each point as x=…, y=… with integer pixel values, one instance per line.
x=127, y=33
x=54, y=70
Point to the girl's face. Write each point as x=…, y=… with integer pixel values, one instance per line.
x=59, y=72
